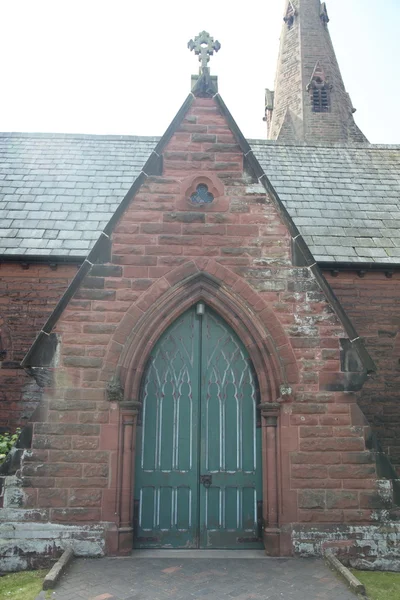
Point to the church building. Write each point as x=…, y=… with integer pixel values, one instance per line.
x=199, y=333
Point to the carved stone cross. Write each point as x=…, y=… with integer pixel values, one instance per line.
x=204, y=46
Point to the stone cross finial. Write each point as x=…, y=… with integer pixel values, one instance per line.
x=204, y=46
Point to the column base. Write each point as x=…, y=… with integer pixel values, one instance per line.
x=119, y=541
x=272, y=541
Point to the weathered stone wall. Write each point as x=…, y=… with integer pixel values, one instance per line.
x=28, y=294
x=373, y=303
x=367, y=547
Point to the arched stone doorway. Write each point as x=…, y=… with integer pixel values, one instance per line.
x=198, y=468
x=274, y=364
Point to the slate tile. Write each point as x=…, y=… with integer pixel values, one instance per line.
x=340, y=251
x=392, y=223
x=70, y=192
x=365, y=242
x=39, y=214
x=76, y=244
x=93, y=235
x=367, y=223
x=14, y=250
x=393, y=252
x=390, y=233
x=383, y=242
x=54, y=243
x=70, y=225
x=9, y=189
x=16, y=214
x=51, y=234
x=38, y=251
x=23, y=223
x=11, y=242
x=375, y=252
x=16, y=204
x=77, y=216
x=58, y=215
x=31, y=233
x=34, y=243
x=70, y=235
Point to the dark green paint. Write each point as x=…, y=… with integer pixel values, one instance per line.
x=199, y=419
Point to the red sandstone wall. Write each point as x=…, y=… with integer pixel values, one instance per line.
x=326, y=473
x=27, y=297
x=373, y=303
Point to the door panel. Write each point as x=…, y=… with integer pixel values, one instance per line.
x=198, y=419
x=230, y=441
x=167, y=441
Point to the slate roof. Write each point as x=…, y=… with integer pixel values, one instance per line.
x=57, y=192
x=345, y=201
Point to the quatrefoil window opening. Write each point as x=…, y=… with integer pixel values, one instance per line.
x=202, y=195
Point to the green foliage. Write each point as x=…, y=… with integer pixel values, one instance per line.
x=25, y=585
x=7, y=441
x=380, y=585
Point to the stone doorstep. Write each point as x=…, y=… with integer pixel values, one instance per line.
x=216, y=554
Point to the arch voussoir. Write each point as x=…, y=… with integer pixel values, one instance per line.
x=259, y=331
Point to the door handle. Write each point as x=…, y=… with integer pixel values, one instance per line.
x=206, y=480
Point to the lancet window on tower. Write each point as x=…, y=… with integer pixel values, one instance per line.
x=319, y=92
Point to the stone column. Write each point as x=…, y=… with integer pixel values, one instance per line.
x=271, y=531
x=125, y=479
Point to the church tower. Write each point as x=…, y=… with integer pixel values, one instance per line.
x=310, y=103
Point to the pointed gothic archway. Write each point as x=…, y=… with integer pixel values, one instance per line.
x=263, y=343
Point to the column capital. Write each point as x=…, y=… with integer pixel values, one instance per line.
x=269, y=408
x=130, y=406
x=270, y=412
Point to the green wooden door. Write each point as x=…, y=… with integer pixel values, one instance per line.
x=198, y=471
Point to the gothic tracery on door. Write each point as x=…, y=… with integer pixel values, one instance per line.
x=198, y=471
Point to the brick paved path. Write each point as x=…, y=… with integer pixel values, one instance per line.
x=181, y=578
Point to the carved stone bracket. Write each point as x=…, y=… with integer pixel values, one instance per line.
x=115, y=392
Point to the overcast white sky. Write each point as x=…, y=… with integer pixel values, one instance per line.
x=122, y=66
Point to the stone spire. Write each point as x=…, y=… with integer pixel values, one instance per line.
x=310, y=103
